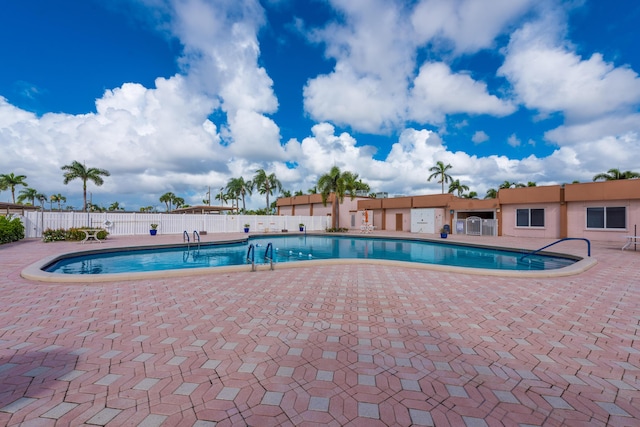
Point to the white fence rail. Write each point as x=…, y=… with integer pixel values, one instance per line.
x=131, y=224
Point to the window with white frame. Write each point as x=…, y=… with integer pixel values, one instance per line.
x=529, y=217
x=607, y=217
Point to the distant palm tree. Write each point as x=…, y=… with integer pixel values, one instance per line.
x=59, y=199
x=10, y=181
x=339, y=183
x=266, y=184
x=457, y=186
x=470, y=195
x=531, y=184
x=30, y=194
x=179, y=202
x=223, y=197
x=240, y=188
x=492, y=193
x=77, y=170
x=115, y=206
x=313, y=190
x=167, y=199
x=95, y=208
x=299, y=193
x=354, y=183
x=27, y=194
x=440, y=171
x=615, y=174
x=508, y=184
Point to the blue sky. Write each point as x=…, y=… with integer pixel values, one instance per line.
x=180, y=95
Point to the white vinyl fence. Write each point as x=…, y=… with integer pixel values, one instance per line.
x=131, y=224
x=475, y=226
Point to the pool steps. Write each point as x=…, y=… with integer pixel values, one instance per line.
x=268, y=255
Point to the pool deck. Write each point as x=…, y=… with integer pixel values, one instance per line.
x=349, y=344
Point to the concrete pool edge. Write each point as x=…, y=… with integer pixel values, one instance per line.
x=34, y=271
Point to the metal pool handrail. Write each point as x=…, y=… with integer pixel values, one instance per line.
x=196, y=236
x=558, y=241
x=268, y=254
x=251, y=254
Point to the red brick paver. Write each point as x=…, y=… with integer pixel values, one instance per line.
x=360, y=345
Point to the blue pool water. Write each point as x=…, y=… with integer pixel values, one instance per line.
x=303, y=248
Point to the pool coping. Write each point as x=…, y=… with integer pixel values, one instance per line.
x=34, y=271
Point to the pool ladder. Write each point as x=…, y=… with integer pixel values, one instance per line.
x=196, y=238
x=268, y=255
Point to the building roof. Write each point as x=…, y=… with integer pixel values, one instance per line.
x=203, y=209
x=620, y=189
x=7, y=208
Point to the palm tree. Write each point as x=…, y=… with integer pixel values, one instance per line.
x=266, y=184
x=508, y=184
x=338, y=183
x=491, y=194
x=223, y=197
x=27, y=194
x=354, y=183
x=167, y=199
x=615, y=174
x=313, y=190
x=457, y=186
x=440, y=171
x=11, y=181
x=77, y=170
x=240, y=188
x=58, y=198
x=97, y=208
x=178, y=202
x=470, y=195
x=30, y=194
x=115, y=206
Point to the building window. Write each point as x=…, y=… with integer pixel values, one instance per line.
x=609, y=217
x=529, y=217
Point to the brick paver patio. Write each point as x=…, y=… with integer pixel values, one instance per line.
x=329, y=345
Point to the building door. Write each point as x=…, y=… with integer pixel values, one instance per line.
x=398, y=222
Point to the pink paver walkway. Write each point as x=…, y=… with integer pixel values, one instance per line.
x=331, y=345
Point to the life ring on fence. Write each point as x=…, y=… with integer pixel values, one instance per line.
x=107, y=223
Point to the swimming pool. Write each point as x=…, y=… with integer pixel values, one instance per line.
x=294, y=248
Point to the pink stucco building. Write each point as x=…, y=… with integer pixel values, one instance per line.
x=605, y=211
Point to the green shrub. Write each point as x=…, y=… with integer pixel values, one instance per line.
x=72, y=234
x=11, y=230
x=57, y=235
x=337, y=230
